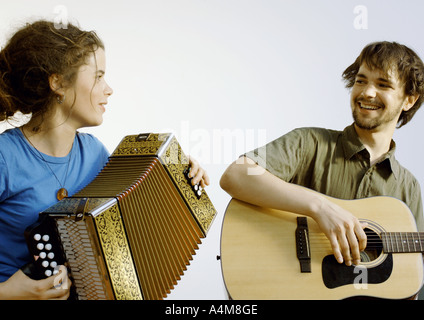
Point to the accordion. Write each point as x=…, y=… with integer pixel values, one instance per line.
x=131, y=233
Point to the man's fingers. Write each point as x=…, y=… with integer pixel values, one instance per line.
x=348, y=244
x=336, y=248
x=361, y=235
x=354, y=247
x=345, y=248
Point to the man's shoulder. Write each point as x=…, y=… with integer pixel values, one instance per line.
x=405, y=175
x=317, y=134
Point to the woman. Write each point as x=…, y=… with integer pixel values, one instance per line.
x=57, y=77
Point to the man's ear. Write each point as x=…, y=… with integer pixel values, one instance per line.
x=410, y=101
x=56, y=84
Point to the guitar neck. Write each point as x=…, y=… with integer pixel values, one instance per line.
x=402, y=242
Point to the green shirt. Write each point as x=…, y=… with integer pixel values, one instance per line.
x=337, y=164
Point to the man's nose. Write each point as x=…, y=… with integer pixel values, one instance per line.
x=369, y=91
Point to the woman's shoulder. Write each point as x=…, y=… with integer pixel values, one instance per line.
x=92, y=144
x=11, y=141
x=88, y=139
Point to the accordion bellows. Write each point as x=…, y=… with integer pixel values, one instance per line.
x=131, y=233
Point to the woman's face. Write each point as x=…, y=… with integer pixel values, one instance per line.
x=87, y=98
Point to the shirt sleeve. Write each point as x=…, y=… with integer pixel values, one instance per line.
x=95, y=146
x=284, y=156
x=4, y=174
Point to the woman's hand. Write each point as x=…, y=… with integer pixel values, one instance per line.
x=20, y=287
x=198, y=173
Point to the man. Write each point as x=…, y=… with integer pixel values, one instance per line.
x=387, y=88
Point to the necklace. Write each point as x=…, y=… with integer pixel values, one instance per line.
x=62, y=192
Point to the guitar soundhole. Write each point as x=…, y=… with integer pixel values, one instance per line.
x=379, y=266
x=374, y=246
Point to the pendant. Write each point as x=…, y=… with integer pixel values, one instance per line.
x=61, y=193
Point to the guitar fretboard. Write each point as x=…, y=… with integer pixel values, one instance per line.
x=402, y=242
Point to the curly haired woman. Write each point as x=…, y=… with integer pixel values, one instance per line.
x=57, y=77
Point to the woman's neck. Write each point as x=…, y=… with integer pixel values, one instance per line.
x=53, y=141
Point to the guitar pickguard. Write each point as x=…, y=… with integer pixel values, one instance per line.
x=336, y=275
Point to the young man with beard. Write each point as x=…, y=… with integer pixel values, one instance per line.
x=387, y=88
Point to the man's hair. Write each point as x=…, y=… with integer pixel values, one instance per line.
x=388, y=56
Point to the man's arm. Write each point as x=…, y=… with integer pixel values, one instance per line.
x=343, y=229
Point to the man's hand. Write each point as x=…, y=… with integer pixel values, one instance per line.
x=345, y=232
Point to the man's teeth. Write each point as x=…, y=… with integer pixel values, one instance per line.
x=368, y=106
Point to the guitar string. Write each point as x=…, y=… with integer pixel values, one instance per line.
x=394, y=236
x=374, y=241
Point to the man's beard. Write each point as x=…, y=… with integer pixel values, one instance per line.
x=371, y=124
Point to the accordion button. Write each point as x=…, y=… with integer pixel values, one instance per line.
x=37, y=237
x=48, y=246
x=50, y=255
x=53, y=264
x=45, y=264
x=42, y=255
x=40, y=246
x=46, y=237
x=48, y=273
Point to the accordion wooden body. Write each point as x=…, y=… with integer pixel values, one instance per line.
x=131, y=233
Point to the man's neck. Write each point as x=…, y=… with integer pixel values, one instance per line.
x=377, y=142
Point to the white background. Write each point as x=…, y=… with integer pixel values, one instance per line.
x=229, y=75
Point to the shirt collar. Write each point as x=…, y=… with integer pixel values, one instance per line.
x=352, y=145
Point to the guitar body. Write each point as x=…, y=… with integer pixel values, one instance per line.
x=259, y=256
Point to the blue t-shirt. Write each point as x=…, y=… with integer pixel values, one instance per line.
x=28, y=187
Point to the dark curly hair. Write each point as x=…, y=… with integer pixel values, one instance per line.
x=388, y=55
x=31, y=56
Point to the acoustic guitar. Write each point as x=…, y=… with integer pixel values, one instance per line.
x=271, y=254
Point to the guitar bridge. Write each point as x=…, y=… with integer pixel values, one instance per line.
x=302, y=244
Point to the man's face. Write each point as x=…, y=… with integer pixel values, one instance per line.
x=377, y=98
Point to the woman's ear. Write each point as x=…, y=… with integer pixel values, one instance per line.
x=56, y=84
